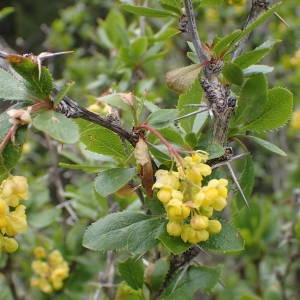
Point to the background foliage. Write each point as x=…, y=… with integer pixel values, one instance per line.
x=117, y=51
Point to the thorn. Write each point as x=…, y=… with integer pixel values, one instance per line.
x=192, y=113
x=3, y=54
x=180, y=277
x=45, y=55
x=222, y=163
x=281, y=19
x=236, y=182
x=195, y=105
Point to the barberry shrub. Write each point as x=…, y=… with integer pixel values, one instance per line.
x=151, y=175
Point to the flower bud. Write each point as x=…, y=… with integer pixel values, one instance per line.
x=164, y=195
x=202, y=235
x=219, y=204
x=39, y=252
x=174, y=228
x=199, y=222
x=8, y=244
x=214, y=226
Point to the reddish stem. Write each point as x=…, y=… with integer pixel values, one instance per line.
x=9, y=136
x=170, y=148
x=39, y=105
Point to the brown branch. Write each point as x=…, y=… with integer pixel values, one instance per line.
x=257, y=7
x=72, y=109
x=194, y=32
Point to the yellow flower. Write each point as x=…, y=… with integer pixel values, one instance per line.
x=166, y=179
x=3, y=213
x=39, y=252
x=295, y=121
x=55, y=259
x=295, y=60
x=182, y=195
x=52, y=272
x=41, y=268
x=42, y=284
x=16, y=221
x=8, y=244
x=14, y=189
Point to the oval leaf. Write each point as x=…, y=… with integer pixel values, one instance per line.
x=196, y=278
x=277, y=112
x=57, y=126
x=40, y=87
x=133, y=230
x=132, y=271
x=161, y=118
x=251, y=57
x=11, y=88
x=147, y=12
x=265, y=144
x=110, y=181
x=101, y=140
x=233, y=73
x=227, y=241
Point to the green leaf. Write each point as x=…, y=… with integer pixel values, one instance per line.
x=5, y=292
x=215, y=150
x=173, y=244
x=132, y=271
x=196, y=278
x=249, y=58
x=246, y=181
x=11, y=88
x=101, y=140
x=256, y=69
x=63, y=92
x=57, y=126
x=74, y=238
x=147, y=12
x=110, y=181
x=227, y=241
x=181, y=79
x=139, y=47
x=265, y=144
x=172, y=135
x=158, y=273
x=3, y=13
x=259, y=20
x=161, y=118
x=172, y=3
x=277, y=111
x=44, y=218
x=233, y=73
x=39, y=87
x=131, y=230
x=223, y=44
x=11, y=154
x=192, y=96
x=252, y=100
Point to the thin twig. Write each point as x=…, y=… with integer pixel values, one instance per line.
x=72, y=109
x=194, y=32
x=257, y=7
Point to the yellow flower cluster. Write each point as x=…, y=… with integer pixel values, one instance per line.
x=12, y=214
x=51, y=269
x=188, y=204
x=236, y=2
x=295, y=121
x=295, y=60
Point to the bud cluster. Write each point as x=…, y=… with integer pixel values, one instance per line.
x=50, y=269
x=189, y=204
x=12, y=214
